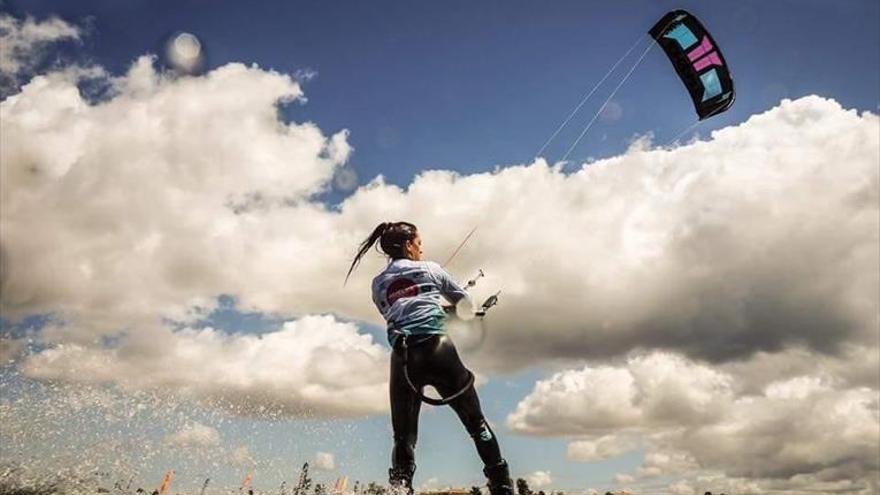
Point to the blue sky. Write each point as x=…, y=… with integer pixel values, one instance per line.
x=468, y=86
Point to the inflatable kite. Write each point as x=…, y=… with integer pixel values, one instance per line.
x=697, y=60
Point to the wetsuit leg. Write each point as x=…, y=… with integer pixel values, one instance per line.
x=449, y=375
x=405, y=407
x=467, y=407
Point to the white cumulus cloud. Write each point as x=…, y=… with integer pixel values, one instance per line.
x=23, y=44
x=175, y=190
x=714, y=249
x=694, y=420
x=127, y=217
x=651, y=391
x=623, y=478
x=539, y=479
x=601, y=448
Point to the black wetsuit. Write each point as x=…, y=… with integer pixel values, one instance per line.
x=433, y=360
x=410, y=295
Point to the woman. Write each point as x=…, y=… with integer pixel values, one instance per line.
x=410, y=293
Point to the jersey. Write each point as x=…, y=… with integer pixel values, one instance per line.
x=410, y=295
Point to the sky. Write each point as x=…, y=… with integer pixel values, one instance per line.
x=676, y=317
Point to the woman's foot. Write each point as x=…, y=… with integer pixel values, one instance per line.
x=400, y=479
x=499, y=479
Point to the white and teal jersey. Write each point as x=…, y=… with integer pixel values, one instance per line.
x=410, y=295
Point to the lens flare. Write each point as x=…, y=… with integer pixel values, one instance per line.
x=464, y=309
x=185, y=53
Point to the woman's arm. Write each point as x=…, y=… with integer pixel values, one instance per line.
x=449, y=288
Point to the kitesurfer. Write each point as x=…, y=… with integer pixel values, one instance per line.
x=410, y=294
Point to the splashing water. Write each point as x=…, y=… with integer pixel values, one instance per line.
x=67, y=438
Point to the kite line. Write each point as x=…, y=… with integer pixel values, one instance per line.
x=589, y=94
x=607, y=100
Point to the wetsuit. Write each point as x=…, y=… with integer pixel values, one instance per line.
x=410, y=295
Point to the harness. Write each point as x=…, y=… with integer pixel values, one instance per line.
x=404, y=347
x=402, y=344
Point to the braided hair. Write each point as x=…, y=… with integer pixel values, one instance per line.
x=392, y=237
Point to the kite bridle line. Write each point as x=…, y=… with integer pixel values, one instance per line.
x=694, y=125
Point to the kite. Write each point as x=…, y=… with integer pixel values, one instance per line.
x=697, y=60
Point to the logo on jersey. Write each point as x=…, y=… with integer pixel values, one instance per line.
x=400, y=289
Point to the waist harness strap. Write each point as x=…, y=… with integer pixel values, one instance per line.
x=401, y=344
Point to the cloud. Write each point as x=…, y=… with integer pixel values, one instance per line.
x=662, y=463
x=23, y=45
x=622, y=478
x=345, y=179
x=315, y=366
x=817, y=429
x=128, y=216
x=714, y=249
x=855, y=366
x=195, y=435
x=325, y=461
x=681, y=488
x=197, y=189
x=601, y=448
x=694, y=420
x=725, y=292
x=718, y=483
x=167, y=171
x=651, y=391
x=539, y=479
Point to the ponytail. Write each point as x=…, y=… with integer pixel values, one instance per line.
x=392, y=237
